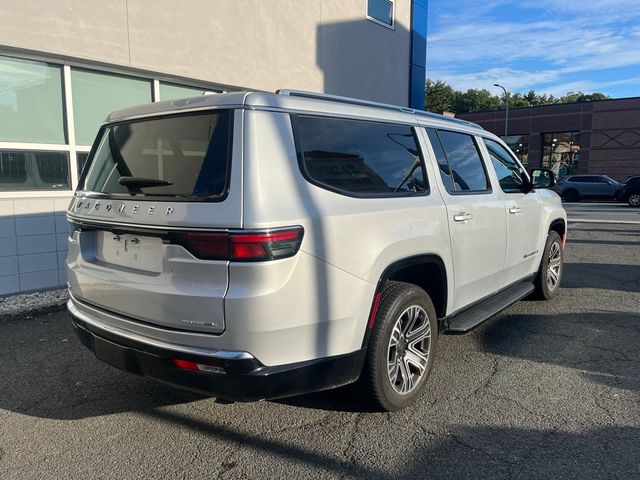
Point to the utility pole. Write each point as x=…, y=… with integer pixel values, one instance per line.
x=506, y=110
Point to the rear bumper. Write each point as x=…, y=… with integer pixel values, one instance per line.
x=245, y=378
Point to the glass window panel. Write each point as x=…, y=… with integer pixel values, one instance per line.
x=443, y=165
x=95, y=95
x=30, y=102
x=34, y=170
x=171, y=91
x=381, y=10
x=519, y=145
x=360, y=157
x=184, y=155
x=464, y=159
x=510, y=175
x=81, y=158
x=561, y=152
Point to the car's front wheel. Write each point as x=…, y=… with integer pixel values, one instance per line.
x=401, y=348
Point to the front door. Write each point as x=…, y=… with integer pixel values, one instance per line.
x=525, y=240
x=476, y=216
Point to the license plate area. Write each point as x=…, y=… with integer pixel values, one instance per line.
x=131, y=251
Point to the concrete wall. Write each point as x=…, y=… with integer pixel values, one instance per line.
x=33, y=244
x=321, y=45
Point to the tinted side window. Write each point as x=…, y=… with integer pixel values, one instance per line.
x=465, y=164
x=443, y=165
x=353, y=156
x=510, y=175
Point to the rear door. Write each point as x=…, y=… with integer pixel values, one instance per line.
x=476, y=216
x=150, y=186
x=523, y=212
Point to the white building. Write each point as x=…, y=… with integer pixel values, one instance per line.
x=63, y=69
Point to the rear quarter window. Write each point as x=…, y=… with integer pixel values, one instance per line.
x=359, y=158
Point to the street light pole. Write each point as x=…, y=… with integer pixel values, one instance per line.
x=506, y=112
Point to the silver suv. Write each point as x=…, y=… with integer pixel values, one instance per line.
x=255, y=245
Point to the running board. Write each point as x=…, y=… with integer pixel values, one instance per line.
x=473, y=316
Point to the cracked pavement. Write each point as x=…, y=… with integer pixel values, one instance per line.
x=543, y=390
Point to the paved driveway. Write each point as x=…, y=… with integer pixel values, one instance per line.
x=545, y=390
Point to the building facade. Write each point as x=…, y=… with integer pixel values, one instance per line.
x=594, y=137
x=63, y=69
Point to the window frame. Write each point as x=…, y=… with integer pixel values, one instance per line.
x=303, y=169
x=380, y=22
x=474, y=138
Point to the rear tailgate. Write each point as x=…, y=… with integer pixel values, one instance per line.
x=125, y=253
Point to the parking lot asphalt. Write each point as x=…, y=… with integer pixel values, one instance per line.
x=544, y=390
x=600, y=212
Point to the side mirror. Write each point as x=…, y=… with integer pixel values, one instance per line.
x=542, y=178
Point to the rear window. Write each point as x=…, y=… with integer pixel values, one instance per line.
x=184, y=156
x=360, y=158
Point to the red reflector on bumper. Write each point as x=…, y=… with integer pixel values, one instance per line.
x=196, y=367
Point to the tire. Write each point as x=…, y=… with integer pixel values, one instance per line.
x=571, y=195
x=404, y=308
x=549, y=277
x=634, y=199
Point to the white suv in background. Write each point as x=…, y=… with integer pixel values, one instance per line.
x=255, y=245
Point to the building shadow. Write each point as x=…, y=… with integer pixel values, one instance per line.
x=523, y=453
x=361, y=44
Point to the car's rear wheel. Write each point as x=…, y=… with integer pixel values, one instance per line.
x=401, y=349
x=571, y=195
x=547, y=282
x=634, y=200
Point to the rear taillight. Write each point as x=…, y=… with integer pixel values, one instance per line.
x=242, y=246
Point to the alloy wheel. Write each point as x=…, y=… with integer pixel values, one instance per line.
x=634, y=200
x=408, y=352
x=555, y=265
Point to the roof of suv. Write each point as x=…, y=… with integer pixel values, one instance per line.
x=291, y=100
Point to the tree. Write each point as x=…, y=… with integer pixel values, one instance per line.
x=439, y=96
x=474, y=100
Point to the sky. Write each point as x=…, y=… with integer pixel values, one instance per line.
x=550, y=46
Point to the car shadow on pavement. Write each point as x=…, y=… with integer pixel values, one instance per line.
x=625, y=278
x=47, y=373
x=601, y=345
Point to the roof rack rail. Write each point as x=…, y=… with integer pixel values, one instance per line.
x=369, y=103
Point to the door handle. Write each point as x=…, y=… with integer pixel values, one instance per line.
x=462, y=217
x=514, y=210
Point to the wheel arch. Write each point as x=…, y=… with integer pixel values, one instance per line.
x=558, y=225
x=427, y=271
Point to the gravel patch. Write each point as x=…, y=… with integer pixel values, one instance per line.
x=30, y=303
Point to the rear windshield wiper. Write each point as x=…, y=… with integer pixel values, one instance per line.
x=141, y=182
